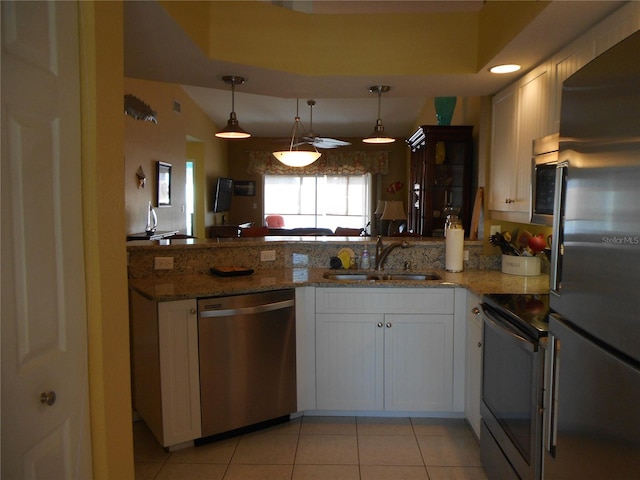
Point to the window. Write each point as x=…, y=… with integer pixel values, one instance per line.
x=322, y=201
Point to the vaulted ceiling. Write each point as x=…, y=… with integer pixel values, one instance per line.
x=333, y=51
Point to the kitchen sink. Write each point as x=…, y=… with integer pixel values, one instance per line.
x=376, y=277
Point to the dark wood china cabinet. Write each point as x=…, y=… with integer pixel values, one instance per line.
x=440, y=176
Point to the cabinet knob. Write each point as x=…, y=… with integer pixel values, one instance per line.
x=48, y=398
x=388, y=325
x=475, y=311
x=192, y=311
x=379, y=324
x=479, y=344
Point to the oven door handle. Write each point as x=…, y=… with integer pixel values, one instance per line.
x=504, y=329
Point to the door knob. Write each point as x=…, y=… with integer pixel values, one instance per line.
x=48, y=397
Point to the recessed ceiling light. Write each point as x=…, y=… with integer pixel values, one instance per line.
x=507, y=68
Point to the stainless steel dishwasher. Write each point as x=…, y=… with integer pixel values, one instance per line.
x=247, y=349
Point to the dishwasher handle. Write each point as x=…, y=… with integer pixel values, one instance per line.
x=268, y=307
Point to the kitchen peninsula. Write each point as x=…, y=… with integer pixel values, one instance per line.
x=350, y=334
x=303, y=261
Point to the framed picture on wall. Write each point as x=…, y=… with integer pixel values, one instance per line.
x=244, y=188
x=164, y=184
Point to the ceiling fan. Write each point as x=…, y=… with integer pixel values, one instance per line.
x=310, y=138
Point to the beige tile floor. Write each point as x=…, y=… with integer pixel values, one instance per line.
x=322, y=448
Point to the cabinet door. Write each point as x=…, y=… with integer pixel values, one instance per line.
x=533, y=122
x=418, y=362
x=520, y=115
x=179, y=371
x=473, y=370
x=503, y=150
x=349, y=365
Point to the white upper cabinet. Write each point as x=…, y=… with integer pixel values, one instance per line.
x=530, y=108
x=520, y=114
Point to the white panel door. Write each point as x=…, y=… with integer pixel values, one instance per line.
x=43, y=285
x=179, y=371
x=349, y=365
x=418, y=358
x=503, y=150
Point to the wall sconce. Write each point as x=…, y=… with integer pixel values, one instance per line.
x=142, y=178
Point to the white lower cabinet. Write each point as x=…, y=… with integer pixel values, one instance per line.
x=165, y=369
x=473, y=370
x=369, y=359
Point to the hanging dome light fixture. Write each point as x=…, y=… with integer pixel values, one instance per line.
x=378, y=135
x=233, y=129
x=295, y=157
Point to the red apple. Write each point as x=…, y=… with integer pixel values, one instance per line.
x=537, y=243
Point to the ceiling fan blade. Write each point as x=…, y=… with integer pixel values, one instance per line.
x=321, y=142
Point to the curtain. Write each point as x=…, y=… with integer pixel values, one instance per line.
x=330, y=163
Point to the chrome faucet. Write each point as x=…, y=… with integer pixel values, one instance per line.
x=383, y=252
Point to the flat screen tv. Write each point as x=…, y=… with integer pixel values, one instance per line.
x=222, y=198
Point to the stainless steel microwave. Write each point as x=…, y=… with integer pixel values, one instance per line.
x=543, y=179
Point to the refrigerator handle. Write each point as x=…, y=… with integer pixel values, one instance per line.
x=555, y=272
x=551, y=417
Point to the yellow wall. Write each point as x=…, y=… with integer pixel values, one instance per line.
x=388, y=44
x=171, y=140
x=500, y=21
x=354, y=44
x=104, y=239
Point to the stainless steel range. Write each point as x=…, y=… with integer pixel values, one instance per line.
x=515, y=334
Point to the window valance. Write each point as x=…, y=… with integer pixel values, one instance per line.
x=330, y=163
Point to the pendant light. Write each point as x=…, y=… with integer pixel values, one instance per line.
x=378, y=135
x=233, y=128
x=294, y=157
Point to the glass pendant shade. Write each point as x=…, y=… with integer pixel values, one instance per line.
x=233, y=129
x=295, y=156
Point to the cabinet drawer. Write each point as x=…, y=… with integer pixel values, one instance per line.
x=385, y=300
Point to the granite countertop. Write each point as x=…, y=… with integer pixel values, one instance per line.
x=180, y=287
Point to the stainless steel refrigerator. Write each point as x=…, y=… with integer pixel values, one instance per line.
x=592, y=407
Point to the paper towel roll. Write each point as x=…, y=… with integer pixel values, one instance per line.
x=453, y=250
